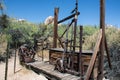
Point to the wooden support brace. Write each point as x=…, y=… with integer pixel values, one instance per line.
x=108, y=55
x=60, y=42
x=92, y=61
x=69, y=17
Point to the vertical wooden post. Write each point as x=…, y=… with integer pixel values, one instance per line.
x=102, y=26
x=94, y=56
x=55, y=27
x=15, y=56
x=42, y=50
x=80, y=54
x=74, y=42
x=6, y=66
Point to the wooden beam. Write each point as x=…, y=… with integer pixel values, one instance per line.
x=108, y=54
x=69, y=17
x=55, y=27
x=93, y=58
x=80, y=61
x=102, y=26
x=74, y=42
x=59, y=38
x=15, y=57
x=60, y=42
x=67, y=29
x=6, y=65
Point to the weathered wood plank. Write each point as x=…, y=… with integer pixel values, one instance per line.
x=71, y=77
x=92, y=61
x=48, y=70
x=84, y=52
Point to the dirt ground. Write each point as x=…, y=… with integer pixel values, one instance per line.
x=21, y=72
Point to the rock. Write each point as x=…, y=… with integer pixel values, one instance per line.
x=49, y=20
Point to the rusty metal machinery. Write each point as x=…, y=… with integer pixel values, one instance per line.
x=26, y=54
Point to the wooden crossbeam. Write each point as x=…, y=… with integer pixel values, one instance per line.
x=69, y=17
x=92, y=61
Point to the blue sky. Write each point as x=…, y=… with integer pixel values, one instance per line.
x=37, y=10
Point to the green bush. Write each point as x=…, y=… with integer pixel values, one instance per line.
x=113, y=38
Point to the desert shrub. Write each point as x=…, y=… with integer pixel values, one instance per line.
x=113, y=38
x=90, y=41
x=90, y=34
x=113, y=41
x=22, y=32
x=90, y=30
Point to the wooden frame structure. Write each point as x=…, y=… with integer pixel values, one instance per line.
x=98, y=54
x=100, y=46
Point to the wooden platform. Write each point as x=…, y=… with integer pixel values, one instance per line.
x=48, y=71
x=55, y=53
x=47, y=68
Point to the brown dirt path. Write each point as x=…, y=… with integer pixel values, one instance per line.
x=21, y=72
